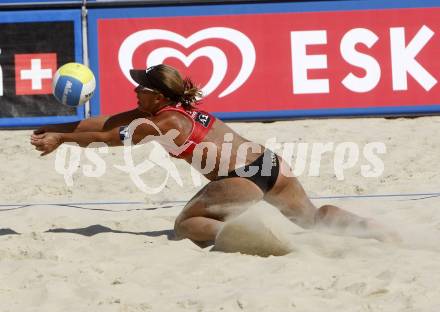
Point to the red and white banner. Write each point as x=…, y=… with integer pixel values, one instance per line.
x=283, y=61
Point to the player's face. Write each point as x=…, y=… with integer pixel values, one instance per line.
x=148, y=99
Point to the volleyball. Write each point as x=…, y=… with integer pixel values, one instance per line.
x=73, y=84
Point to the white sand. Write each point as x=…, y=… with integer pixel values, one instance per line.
x=130, y=264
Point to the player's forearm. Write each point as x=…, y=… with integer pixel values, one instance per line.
x=86, y=125
x=84, y=139
x=96, y=124
x=93, y=124
x=66, y=127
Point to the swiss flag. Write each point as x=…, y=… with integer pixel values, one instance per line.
x=34, y=73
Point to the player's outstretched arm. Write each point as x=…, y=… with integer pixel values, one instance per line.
x=49, y=141
x=93, y=124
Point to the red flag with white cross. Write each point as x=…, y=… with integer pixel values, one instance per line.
x=34, y=72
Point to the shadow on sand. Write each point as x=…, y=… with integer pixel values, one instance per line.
x=98, y=229
x=8, y=231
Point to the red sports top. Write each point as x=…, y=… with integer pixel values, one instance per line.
x=201, y=123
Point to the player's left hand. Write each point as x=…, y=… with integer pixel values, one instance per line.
x=46, y=142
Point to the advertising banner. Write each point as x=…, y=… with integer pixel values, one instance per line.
x=278, y=60
x=32, y=46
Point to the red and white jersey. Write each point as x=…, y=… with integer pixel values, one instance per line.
x=201, y=123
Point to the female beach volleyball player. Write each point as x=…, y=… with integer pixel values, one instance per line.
x=169, y=103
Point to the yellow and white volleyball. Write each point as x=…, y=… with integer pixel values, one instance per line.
x=73, y=84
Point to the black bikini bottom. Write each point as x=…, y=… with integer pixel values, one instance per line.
x=263, y=171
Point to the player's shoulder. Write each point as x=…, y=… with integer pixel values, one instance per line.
x=172, y=120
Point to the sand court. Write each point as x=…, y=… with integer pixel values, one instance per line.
x=118, y=252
